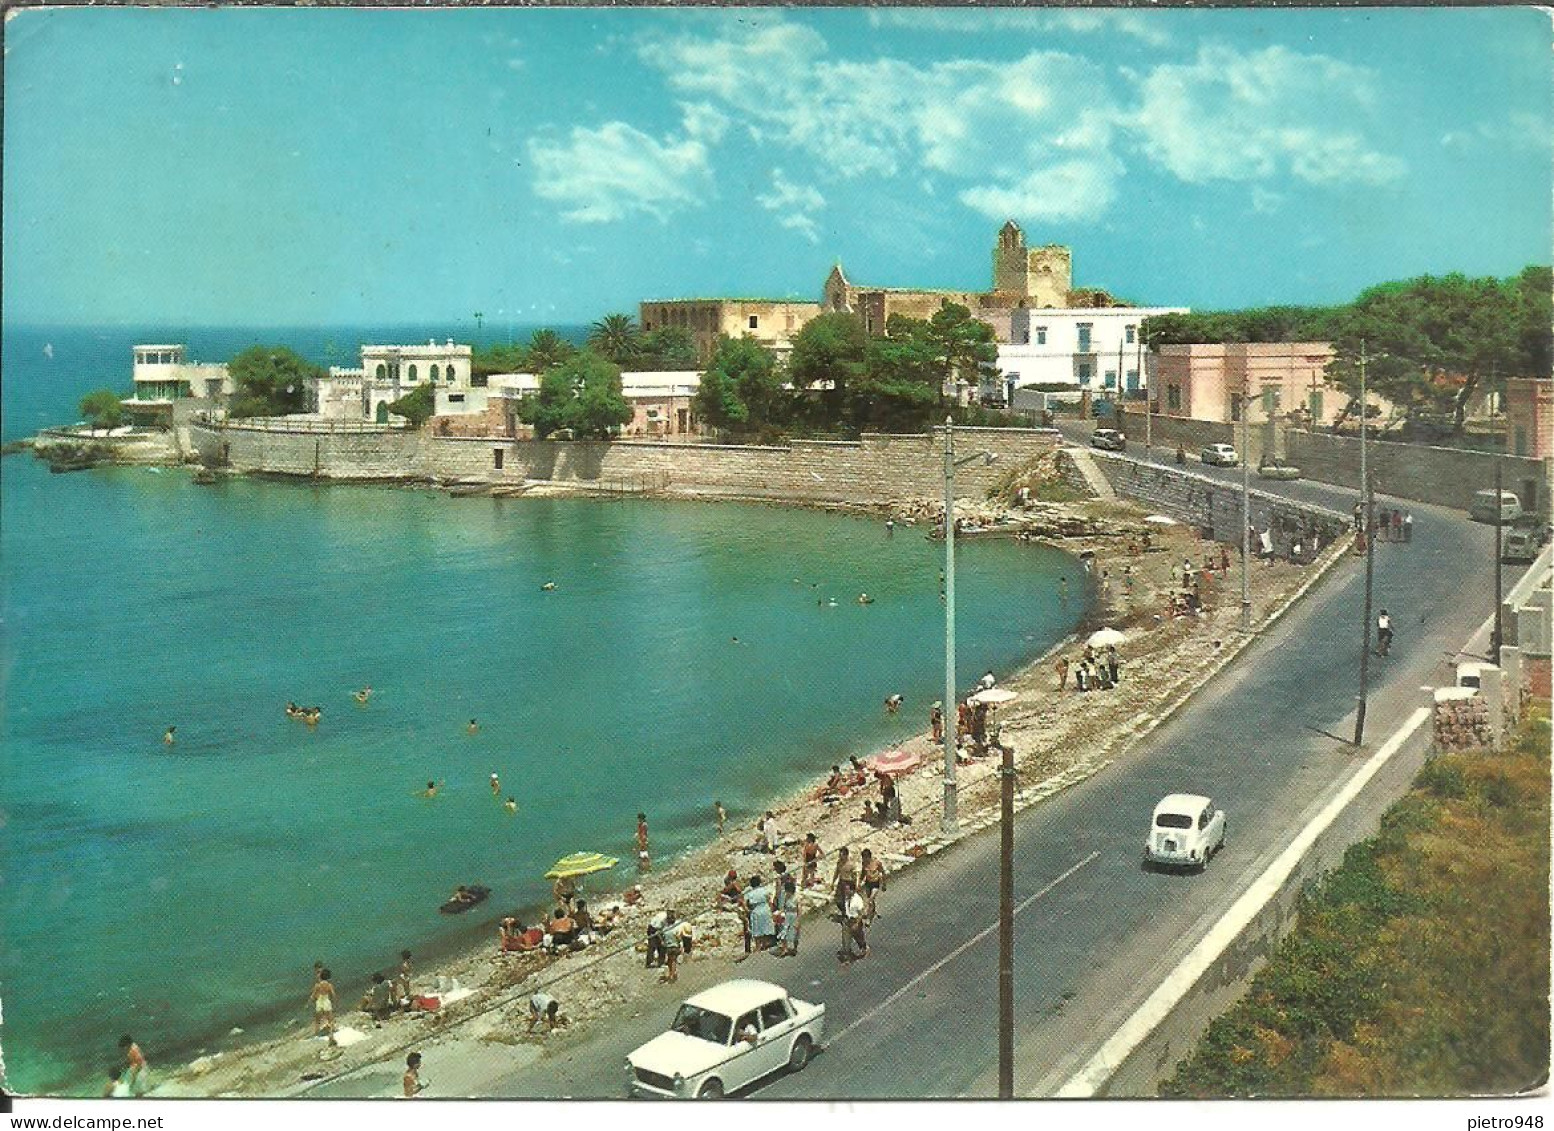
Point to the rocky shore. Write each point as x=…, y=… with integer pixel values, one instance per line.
x=1059, y=739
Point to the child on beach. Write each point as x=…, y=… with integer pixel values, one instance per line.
x=135, y=1061
x=412, y=1081
x=323, y=999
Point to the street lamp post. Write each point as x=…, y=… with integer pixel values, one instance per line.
x=951, y=715
x=1246, y=507
x=1368, y=532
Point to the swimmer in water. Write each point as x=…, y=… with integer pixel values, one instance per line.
x=548, y=587
x=865, y=599
x=496, y=786
x=831, y=604
x=363, y=695
x=510, y=805
x=312, y=716
x=170, y=736
x=473, y=727
x=431, y=789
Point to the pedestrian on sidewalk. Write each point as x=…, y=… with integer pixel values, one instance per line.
x=1062, y=670
x=845, y=875
x=412, y=1082
x=1383, y=633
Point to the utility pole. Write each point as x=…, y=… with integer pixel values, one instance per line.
x=1498, y=638
x=1006, y=927
x=1368, y=529
x=1149, y=393
x=951, y=715
x=1246, y=506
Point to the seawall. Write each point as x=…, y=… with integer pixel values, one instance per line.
x=875, y=468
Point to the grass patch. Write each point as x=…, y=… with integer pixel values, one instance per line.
x=1421, y=965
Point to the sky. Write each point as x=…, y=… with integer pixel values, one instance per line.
x=347, y=167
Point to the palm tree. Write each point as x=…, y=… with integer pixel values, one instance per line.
x=616, y=337
x=548, y=349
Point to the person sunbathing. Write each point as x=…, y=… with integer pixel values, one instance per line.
x=563, y=929
x=516, y=937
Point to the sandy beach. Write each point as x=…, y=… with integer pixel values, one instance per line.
x=1059, y=739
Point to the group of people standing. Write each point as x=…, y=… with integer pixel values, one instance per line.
x=1387, y=524
x=1096, y=670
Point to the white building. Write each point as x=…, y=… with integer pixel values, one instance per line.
x=1086, y=348
x=389, y=372
x=660, y=400
x=164, y=374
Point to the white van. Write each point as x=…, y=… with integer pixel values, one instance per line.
x=1483, y=507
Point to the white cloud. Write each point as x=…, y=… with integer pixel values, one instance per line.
x=616, y=171
x=1135, y=25
x=1077, y=189
x=704, y=121
x=1232, y=116
x=794, y=205
x=1266, y=200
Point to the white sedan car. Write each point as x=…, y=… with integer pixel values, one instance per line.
x=1185, y=831
x=1219, y=455
x=725, y=1039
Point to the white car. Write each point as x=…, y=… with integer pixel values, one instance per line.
x=1109, y=439
x=1220, y=455
x=725, y=1039
x=1185, y=831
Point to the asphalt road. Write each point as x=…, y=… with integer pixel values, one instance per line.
x=1094, y=932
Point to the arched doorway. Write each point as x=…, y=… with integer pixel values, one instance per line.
x=382, y=412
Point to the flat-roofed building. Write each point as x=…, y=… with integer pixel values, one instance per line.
x=1095, y=348
x=1205, y=381
x=388, y=372
x=1529, y=417
x=772, y=322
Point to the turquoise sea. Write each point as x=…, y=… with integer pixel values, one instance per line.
x=176, y=892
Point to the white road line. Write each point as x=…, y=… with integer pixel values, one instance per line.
x=961, y=949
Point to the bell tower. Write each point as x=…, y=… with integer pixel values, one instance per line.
x=1011, y=263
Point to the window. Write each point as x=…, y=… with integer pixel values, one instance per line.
x=774, y=1013
x=434, y=374
x=1084, y=329
x=1174, y=397
x=1084, y=372
x=1173, y=821
x=1204, y=818
x=746, y=1022
x=496, y=458
x=455, y=398
x=1129, y=334
x=754, y=321
x=451, y=374
x=382, y=371
x=1041, y=336
x=1133, y=380
x=1111, y=379
x=412, y=373
x=1235, y=407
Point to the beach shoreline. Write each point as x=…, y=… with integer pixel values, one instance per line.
x=278, y=1062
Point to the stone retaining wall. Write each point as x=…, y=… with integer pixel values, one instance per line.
x=1214, y=506
x=876, y=468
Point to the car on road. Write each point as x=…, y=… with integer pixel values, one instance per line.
x=724, y=1039
x=1108, y=439
x=1184, y=831
x=1483, y=508
x=1519, y=544
x=1219, y=455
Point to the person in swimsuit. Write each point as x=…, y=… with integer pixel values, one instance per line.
x=844, y=876
x=363, y=695
x=473, y=727
x=401, y=984
x=170, y=736
x=872, y=873
x=496, y=785
x=323, y=999
x=810, y=854
x=510, y=805
x=135, y=1061
x=412, y=1081
x=431, y=789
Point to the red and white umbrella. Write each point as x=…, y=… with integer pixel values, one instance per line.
x=895, y=762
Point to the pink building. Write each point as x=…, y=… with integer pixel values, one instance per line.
x=1529, y=417
x=1205, y=381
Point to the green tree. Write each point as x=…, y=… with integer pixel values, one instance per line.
x=102, y=409
x=667, y=348
x=616, y=338
x=828, y=352
x=548, y=349
x=498, y=358
x=270, y=381
x=740, y=389
x=964, y=346
x=417, y=406
x=902, y=378
x=582, y=393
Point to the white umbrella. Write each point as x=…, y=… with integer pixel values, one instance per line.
x=1160, y=520
x=1105, y=638
x=993, y=696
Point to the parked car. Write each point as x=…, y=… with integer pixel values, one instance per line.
x=1519, y=544
x=1109, y=439
x=1278, y=471
x=1185, y=831
x=1483, y=506
x=1219, y=455
x=724, y=1039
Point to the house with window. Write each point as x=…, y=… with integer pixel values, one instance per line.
x=1095, y=348
x=389, y=372
x=1529, y=417
x=1207, y=381
x=164, y=374
x=772, y=322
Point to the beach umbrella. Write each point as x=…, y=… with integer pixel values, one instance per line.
x=993, y=696
x=1105, y=638
x=580, y=864
x=895, y=762
x=1160, y=520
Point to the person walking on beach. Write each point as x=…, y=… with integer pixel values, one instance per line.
x=936, y=722
x=169, y=736
x=323, y=999
x=135, y=1066
x=643, y=861
x=845, y=875
x=1113, y=663
x=401, y=984
x=669, y=943
x=1062, y=669
x=871, y=872
x=809, y=855
x=412, y=1079
x=721, y=814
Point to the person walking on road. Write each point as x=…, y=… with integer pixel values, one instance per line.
x=412, y=1080
x=844, y=876
x=871, y=873
x=1408, y=527
x=1383, y=633
x=855, y=942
